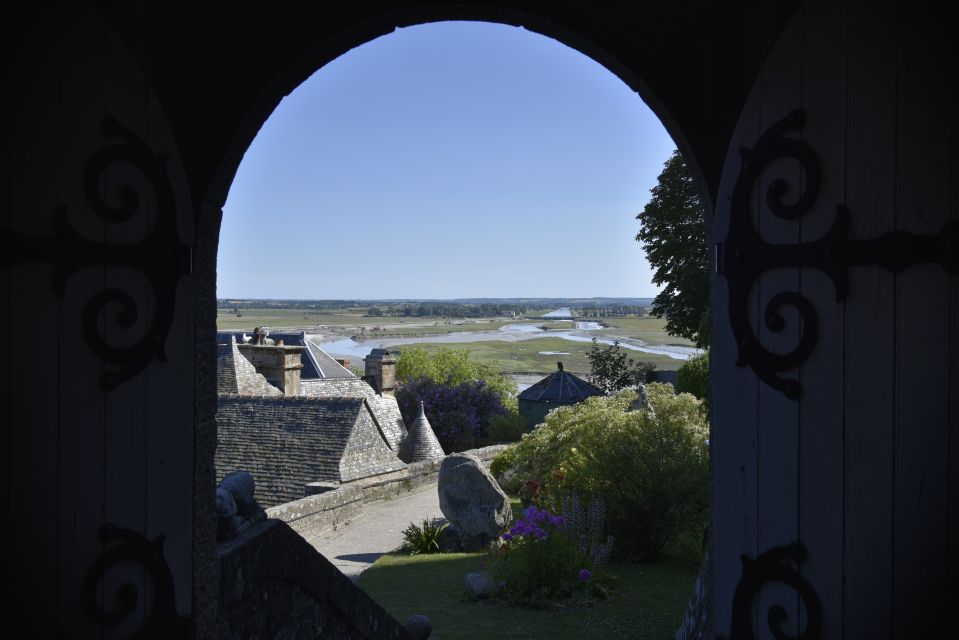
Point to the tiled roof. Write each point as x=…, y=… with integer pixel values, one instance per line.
x=385, y=410
x=421, y=443
x=324, y=363
x=236, y=374
x=310, y=369
x=560, y=386
x=287, y=443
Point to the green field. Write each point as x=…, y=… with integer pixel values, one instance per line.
x=649, y=330
x=524, y=356
x=649, y=602
x=278, y=319
x=511, y=357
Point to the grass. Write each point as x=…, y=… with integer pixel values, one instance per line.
x=305, y=319
x=649, y=602
x=524, y=356
x=649, y=330
x=510, y=357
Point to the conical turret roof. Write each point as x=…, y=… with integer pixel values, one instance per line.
x=420, y=443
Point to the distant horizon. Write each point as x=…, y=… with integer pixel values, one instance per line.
x=431, y=299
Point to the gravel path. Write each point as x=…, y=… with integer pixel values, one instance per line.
x=377, y=530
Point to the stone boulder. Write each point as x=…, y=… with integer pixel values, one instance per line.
x=472, y=501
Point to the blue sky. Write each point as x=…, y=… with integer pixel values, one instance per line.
x=455, y=159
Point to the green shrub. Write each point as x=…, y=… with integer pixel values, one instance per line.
x=651, y=467
x=425, y=539
x=693, y=377
x=508, y=427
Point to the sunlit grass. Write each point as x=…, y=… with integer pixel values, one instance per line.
x=649, y=602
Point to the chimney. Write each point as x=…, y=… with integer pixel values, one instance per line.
x=279, y=364
x=344, y=362
x=381, y=366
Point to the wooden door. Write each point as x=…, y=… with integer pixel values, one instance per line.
x=835, y=447
x=98, y=336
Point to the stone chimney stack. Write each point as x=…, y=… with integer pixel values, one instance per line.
x=279, y=364
x=381, y=367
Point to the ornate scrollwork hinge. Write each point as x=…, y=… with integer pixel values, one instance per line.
x=161, y=256
x=128, y=547
x=744, y=255
x=774, y=566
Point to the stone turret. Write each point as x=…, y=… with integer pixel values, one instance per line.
x=421, y=443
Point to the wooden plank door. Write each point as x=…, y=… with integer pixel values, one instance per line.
x=98, y=392
x=834, y=358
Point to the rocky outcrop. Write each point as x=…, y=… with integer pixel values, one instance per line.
x=472, y=501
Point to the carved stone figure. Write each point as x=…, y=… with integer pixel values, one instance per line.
x=236, y=508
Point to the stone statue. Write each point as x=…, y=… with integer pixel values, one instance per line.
x=236, y=508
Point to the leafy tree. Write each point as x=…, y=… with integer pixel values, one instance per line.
x=451, y=367
x=611, y=369
x=693, y=377
x=674, y=238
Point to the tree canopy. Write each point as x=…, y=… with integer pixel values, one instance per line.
x=611, y=369
x=451, y=367
x=674, y=238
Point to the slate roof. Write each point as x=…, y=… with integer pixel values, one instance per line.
x=316, y=362
x=236, y=374
x=385, y=410
x=325, y=365
x=287, y=443
x=421, y=444
x=560, y=387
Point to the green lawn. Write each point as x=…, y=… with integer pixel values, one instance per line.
x=649, y=602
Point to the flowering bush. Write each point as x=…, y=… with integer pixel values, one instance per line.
x=651, y=467
x=453, y=411
x=542, y=562
x=461, y=397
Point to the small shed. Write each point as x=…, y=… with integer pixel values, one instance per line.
x=558, y=389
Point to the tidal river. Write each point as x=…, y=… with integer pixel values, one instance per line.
x=509, y=333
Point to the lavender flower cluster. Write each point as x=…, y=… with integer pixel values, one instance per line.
x=452, y=410
x=532, y=524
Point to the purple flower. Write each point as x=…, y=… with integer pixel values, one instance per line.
x=584, y=575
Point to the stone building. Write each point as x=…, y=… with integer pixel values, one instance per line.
x=288, y=443
x=558, y=389
x=332, y=428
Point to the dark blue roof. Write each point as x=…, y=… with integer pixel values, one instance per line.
x=561, y=386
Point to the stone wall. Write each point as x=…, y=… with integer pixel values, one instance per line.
x=273, y=584
x=318, y=514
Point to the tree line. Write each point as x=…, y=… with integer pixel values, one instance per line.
x=447, y=310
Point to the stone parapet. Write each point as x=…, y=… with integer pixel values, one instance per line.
x=319, y=514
